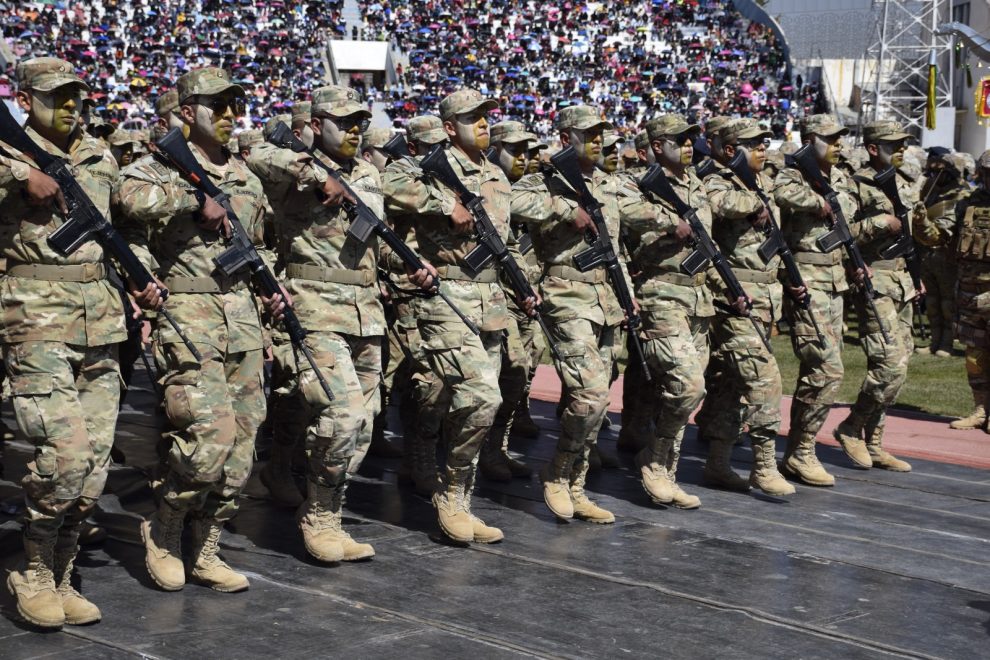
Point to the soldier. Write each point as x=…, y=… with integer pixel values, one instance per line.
x=876, y=228
x=941, y=192
x=122, y=146
x=246, y=141
x=511, y=141
x=536, y=149
x=421, y=408
x=973, y=293
x=166, y=107
x=804, y=217
x=214, y=408
x=62, y=322
x=581, y=309
x=749, y=382
x=372, y=142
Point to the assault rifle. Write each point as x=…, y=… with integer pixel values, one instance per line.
x=84, y=222
x=804, y=160
x=705, y=168
x=774, y=243
x=241, y=255
x=396, y=147
x=886, y=181
x=364, y=222
x=601, y=252
x=490, y=245
x=705, y=250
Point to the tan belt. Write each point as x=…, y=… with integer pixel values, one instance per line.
x=487, y=276
x=819, y=258
x=755, y=276
x=334, y=275
x=595, y=276
x=179, y=284
x=889, y=264
x=680, y=279
x=74, y=273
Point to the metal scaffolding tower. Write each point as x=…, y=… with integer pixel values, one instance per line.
x=906, y=37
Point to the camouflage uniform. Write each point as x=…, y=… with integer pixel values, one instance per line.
x=886, y=362
x=581, y=311
x=802, y=223
x=61, y=323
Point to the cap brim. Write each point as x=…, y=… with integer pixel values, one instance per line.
x=540, y=145
x=612, y=140
x=432, y=136
x=829, y=131
x=348, y=109
x=48, y=86
x=485, y=104
x=753, y=134
x=895, y=137
x=515, y=138
x=593, y=123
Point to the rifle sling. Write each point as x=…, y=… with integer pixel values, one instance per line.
x=594, y=276
x=52, y=273
x=334, y=275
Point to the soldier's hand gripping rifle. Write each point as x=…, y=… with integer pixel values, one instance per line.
x=705, y=250
x=490, y=246
x=886, y=181
x=774, y=243
x=363, y=219
x=84, y=222
x=804, y=160
x=242, y=254
x=602, y=251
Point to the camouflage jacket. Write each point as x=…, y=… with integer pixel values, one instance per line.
x=79, y=313
x=936, y=228
x=802, y=224
x=973, y=246
x=403, y=180
x=869, y=226
x=313, y=237
x=159, y=213
x=732, y=207
x=548, y=206
x=657, y=255
x=432, y=203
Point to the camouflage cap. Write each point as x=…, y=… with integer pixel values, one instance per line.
x=984, y=160
x=338, y=101
x=167, y=102
x=539, y=146
x=142, y=134
x=581, y=117
x=247, y=139
x=302, y=111
x=611, y=138
x=43, y=74
x=824, y=125
x=789, y=147
x=426, y=128
x=642, y=140
x=464, y=100
x=715, y=124
x=883, y=131
x=739, y=130
x=121, y=138
x=273, y=122
x=665, y=125
x=208, y=81
x=376, y=137
x=510, y=132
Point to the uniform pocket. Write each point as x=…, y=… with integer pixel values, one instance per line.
x=30, y=393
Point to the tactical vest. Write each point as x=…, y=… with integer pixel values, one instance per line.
x=974, y=234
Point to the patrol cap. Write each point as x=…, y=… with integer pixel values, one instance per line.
x=789, y=148
x=824, y=125
x=883, y=131
x=740, y=130
x=938, y=153
x=716, y=124
x=208, y=81
x=510, y=132
x=611, y=138
x=642, y=140
x=273, y=122
x=984, y=160
x=665, y=125
x=536, y=144
x=338, y=101
x=43, y=74
x=375, y=137
x=464, y=100
x=247, y=139
x=427, y=129
x=167, y=102
x=581, y=117
x=302, y=111
x=120, y=138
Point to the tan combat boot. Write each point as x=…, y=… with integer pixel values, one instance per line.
x=584, y=508
x=718, y=470
x=681, y=500
x=318, y=524
x=37, y=599
x=453, y=506
x=801, y=463
x=483, y=533
x=764, y=474
x=883, y=459
x=976, y=419
x=78, y=610
x=556, y=478
x=206, y=567
x=162, y=535
x=277, y=477
x=653, y=471
x=353, y=551
x=849, y=433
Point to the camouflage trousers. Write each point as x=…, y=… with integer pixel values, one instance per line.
x=820, y=371
x=747, y=388
x=585, y=370
x=522, y=354
x=408, y=375
x=676, y=349
x=65, y=401
x=214, y=410
x=886, y=363
x=717, y=391
x=973, y=330
x=467, y=367
x=286, y=407
x=939, y=275
x=339, y=431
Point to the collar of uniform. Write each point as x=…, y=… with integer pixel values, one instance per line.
x=232, y=172
x=45, y=144
x=347, y=168
x=468, y=167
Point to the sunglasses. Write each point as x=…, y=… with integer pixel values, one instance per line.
x=219, y=104
x=759, y=143
x=680, y=140
x=346, y=124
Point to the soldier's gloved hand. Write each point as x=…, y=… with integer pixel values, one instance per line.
x=893, y=224
x=461, y=219
x=583, y=223
x=798, y=293
x=150, y=297
x=42, y=190
x=334, y=193
x=425, y=277
x=683, y=231
x=213, y=217
x=276, y=304
x=760, y=218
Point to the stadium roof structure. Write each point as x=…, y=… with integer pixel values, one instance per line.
x=360, y=55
